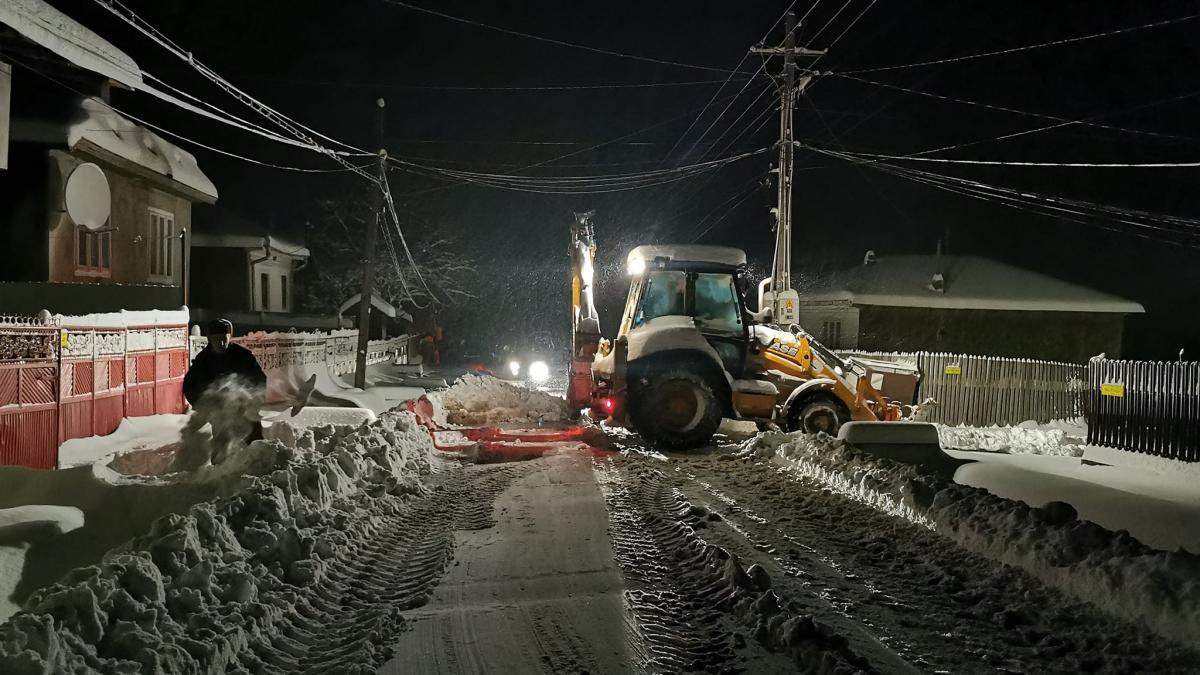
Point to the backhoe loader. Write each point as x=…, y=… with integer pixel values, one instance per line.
x=688, y=352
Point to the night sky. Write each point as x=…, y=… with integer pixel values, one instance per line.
x=325, y=63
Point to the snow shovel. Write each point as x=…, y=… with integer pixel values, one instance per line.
x=304, y=394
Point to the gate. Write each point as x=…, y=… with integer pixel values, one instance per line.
x=29, y=394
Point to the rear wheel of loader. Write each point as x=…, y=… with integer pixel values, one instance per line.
x=675, y=410
x=818, y=413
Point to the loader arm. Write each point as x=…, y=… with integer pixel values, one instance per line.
x=585, y=322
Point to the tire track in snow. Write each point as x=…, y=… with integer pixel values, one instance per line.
x=696, y=608
x=941, y=605
x=351, y=618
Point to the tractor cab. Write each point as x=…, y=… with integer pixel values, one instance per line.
x=702, y=283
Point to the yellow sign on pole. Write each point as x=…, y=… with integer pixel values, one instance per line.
x=1114, y=389
x=62, y=340
x=954, y=370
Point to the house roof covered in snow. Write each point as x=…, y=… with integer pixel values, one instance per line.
x=98, y=127
x=44, y=25
x=968, y=282
x=721, y=255
x=220, y=228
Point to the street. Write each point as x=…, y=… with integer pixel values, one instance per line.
x=624, y=562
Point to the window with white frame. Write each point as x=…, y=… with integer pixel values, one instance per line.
x=162, y=245
x=93, y=253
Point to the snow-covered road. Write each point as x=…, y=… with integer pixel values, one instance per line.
x=363, y=549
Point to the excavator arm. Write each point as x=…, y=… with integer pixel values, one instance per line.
x=585, y=322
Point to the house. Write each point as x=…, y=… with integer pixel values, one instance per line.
x=247, y=274
x=964, y=304
x=94, y=208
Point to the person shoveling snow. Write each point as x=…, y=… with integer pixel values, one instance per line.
x=226, y=388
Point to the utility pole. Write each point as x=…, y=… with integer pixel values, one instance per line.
x=782, y=298
x=368, y=281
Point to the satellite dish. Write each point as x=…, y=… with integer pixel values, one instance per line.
x=89, y=201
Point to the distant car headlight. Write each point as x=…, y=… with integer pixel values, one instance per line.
x=514, y=367
x=539, y=371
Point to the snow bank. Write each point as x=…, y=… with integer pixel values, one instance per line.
x=1064, y=438
x=134, y=433
x=476, y=400
x=1111, y=570
x=20, y=527
x=224, y=586
x=316, y=416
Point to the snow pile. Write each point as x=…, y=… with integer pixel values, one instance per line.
x=476, y=400
x=1111, y=570
x=317, y=416
x=133, y=434
x=1028, y=438
x=20, y=527
x=228, y=586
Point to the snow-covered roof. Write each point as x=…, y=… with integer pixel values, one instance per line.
x=216, y=227
x=102, y=127
x=720, y=255
x=44, y=25
x=970, y=282
x=249, y=240
x=378, y=303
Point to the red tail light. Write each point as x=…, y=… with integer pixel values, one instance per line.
x=608, y=404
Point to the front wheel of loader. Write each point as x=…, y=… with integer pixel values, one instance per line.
x=675, y=410
x=818, y=413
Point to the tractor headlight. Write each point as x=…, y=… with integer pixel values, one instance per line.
x=637, y=265
x=514, y=367
x=539, y=372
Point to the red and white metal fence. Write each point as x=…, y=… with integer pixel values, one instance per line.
x=29, y=394
x=110, y=373
x=74, y=377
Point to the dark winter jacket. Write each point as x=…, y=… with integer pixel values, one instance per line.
x=209, y=367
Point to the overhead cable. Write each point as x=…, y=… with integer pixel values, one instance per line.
x=1039, y=45
x=1015, y=111
x=540, y=38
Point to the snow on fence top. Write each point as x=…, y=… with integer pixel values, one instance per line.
x=127, y=319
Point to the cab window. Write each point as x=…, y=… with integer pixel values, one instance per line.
x=716, y=306
x=664, y=296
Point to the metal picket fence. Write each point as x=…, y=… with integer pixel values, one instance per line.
x=1145, y=406
x=986, y=390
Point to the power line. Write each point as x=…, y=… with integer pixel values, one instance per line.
x=288, y=124
x=847, y=29
x=375, y=86
x=168, y=132
x=1015, y=111
x=830, y=21
x=540, y=38
x=594, y=184
x=724, y=84
x=983, y=162
x=1038, y=45
x=1052, y=206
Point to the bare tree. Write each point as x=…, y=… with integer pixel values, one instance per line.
x=441, y=277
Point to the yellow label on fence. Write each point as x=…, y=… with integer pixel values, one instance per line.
x=1112, y=389
x=62, y=340
x=954, y=370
